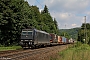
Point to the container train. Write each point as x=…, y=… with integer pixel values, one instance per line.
x=32, y=38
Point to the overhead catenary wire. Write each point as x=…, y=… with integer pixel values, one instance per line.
x=39, y=3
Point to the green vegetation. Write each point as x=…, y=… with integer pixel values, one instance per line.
x=81, y=34
x=69, y=33
x=18, y=14
x=10, y=48
x=84, y=33
x=78, y=51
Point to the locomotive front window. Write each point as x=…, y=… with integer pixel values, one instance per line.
x=29, y=33
x=24, y=33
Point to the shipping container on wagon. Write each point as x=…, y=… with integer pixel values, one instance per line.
x=59, y=39
x=64, y=40
x=54, y=38
x=71, y=40
x=67, y=41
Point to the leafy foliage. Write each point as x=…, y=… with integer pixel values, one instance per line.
x=84, y=33
x=18, y=14
x=80, y=52
x=69, y=33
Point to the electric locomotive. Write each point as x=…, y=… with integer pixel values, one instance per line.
x=31, y=38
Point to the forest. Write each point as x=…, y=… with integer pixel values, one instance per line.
x=70, y=33
x=16, y=15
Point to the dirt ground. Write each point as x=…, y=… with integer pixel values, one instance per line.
x=51, y=55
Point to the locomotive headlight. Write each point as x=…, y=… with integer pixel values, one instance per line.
x=26, y=40
x=21, y=40
x=26, y=36
x=30, y=40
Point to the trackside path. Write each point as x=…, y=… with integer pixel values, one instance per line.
x=32, y=54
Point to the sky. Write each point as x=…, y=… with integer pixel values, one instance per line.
x=68, y=13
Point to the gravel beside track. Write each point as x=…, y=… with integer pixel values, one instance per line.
x=33, y=54
x=50, y=52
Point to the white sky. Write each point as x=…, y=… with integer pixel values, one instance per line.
x=67, y=12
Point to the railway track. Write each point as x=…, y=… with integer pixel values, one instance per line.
x=20, y=55
x=10, y=51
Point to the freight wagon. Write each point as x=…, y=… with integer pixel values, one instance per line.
x=64, y=40
x=54, y=38
x=71, y=41
x=59, y=40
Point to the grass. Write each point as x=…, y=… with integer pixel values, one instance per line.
x=10, y=48
x=76, y=53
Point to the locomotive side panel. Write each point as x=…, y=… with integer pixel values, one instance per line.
x=42, y=37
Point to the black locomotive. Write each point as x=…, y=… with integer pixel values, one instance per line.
x=34, y=38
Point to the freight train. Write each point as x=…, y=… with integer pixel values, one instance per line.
x=32, y=38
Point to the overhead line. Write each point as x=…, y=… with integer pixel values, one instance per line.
x=39, y=3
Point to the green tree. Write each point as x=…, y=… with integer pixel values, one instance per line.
x=56, y=24
x=5, y=20
x=18, y=14
x=84, y=33
x=36, y=17
x=50, y=24
x=45, y=10
x=11, y=21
